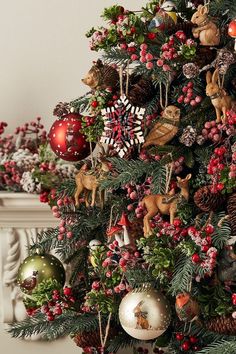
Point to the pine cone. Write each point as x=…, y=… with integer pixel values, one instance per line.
x=231, y=208
x=185, y=26
x=222, y=325
x=61, y=109
x=136, y=229
x=190, y=70
x=141, y=90
x=208, y=201
x=87, y=339
x=188, y=136
x=92, y=339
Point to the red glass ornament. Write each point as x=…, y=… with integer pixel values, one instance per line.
x=66, y=140
x=232, y=31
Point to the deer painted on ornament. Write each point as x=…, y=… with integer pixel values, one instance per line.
x=164, y=204
x=87, y=181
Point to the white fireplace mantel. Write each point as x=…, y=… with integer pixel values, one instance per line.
x=22, y=217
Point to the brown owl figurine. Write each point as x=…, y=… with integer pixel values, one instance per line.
x=164, y=130
x=101, y=76
x=187, y=309
x=30, y=282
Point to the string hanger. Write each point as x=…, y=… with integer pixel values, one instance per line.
x=121, y=71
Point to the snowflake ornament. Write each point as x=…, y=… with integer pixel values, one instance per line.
x=122, y=125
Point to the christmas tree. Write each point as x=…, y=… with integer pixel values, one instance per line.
x=148, y=223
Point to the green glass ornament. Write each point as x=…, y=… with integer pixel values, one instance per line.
x=37, y=268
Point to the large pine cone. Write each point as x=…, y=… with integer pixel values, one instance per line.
x=231, y=208
x=222, y=325
x=208, y=201
x=92, y=339
x=141, y=90
x=87, y=339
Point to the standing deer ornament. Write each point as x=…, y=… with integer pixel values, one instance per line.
x=206, y=30
x=164, y=204
x=89, y=181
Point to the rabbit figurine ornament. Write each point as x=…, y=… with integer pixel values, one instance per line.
x=219, y=98
x=206, y=30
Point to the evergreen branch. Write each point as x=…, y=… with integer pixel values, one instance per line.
x=81, y=104
x=123, y=340
x=182, y=276
x=132, y=171
x=220, y=347
x=61, y=326
x=115, y=55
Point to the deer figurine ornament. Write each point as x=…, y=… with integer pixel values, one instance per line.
x=87, y=181
x=164, y=204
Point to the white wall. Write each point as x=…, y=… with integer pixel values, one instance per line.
x=44, y=54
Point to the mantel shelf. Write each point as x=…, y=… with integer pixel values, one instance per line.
x=24, y=210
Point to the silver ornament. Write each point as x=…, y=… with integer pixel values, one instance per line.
x=145, y=313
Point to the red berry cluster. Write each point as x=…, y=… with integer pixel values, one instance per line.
x=214, y=131
x=207, y=257
x=188, y=96
x=3, y=125
x=32, y=135
x=11, y=175
x=187, y=342
x=215, y=167
x=136, y=192
x=58, y=303
x=64, y=230
x=62, y=203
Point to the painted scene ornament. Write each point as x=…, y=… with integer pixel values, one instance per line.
x=144, y=314
x=66, y=140
x=38, y=268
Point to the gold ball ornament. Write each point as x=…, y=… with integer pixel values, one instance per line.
x=145, y=313
x=37, y=268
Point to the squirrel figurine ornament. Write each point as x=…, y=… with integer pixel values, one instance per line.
x=206, y=30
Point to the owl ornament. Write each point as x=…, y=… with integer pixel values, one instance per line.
x=165, y=129
x=186, y=307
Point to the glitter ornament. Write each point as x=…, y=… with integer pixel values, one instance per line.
x=66, y=140
x=122, y=125
x=144, y=313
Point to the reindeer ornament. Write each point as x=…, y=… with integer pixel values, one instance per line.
x=89, y=181
x=164, y=204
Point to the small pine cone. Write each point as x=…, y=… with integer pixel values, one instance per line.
x=208, y=201
x=222, y=325
x=61, y=109
x=231, y=208
x=190, y=70
x=188, y=136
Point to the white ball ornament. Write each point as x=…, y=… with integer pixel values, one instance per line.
x=144, y=313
